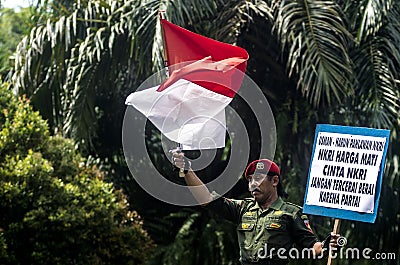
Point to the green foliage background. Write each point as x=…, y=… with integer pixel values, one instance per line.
x=55, y=206
x=333, y=62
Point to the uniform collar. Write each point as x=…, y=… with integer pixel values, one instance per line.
x=276, y=205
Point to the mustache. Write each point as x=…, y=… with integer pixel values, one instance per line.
x=254, y=189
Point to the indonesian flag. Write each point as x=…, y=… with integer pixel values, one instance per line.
x=189, y=107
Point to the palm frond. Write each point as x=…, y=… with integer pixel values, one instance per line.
x=315, y=38
x=145, y=31
x=76, y=44
x=236, y=14
x=124, y=34
x=377, y=62
x=372, y=15
x=212, y=238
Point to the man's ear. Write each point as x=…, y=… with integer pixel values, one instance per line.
x=275, y=180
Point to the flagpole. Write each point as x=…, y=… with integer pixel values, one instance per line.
x=165, y=58
x=181, y=170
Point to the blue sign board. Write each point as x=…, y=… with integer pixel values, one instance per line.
x=345, y=175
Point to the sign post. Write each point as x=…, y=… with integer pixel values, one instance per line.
x=345, y=174
x=336, y=227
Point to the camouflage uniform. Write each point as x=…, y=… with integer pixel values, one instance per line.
x=280, y=226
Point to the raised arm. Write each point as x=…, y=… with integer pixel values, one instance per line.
x=196, y=186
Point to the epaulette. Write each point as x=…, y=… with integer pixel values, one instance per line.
x=292, y=208
x=292, y=204
x=247, y=202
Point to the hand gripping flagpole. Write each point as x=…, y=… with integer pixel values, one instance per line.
x=180, y=146
x=182, y=169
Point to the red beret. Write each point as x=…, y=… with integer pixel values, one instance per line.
x=262, y=166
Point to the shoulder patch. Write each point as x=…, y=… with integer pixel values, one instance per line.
x=307, y=224
x=304, y=217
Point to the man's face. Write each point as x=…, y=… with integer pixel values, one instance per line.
x=262, y=187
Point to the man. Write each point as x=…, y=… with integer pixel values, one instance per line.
x=267, y=226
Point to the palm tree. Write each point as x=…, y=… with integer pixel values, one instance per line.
x=316, y=61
